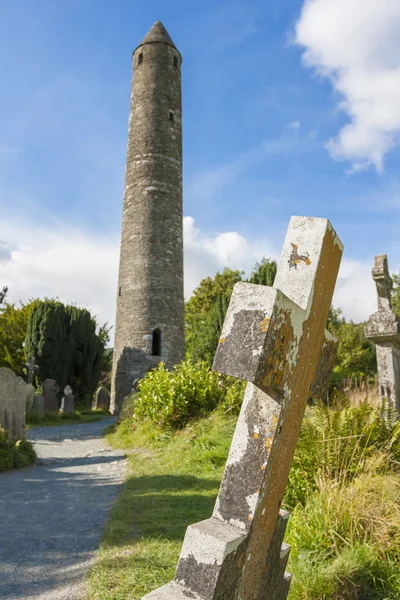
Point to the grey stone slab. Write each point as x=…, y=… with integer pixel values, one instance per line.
x=68, y=404
x=38, y=405
x=50, y=391
x=14, y=394
x=102, y=399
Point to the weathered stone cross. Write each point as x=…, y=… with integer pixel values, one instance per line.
x=383, y=328
x=31, y=368
x=273, y=338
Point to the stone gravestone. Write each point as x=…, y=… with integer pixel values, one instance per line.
x=50, y=390
x=102, y=399
x=275, y=339
x=30, y=396
x=13, y=400
x=38, y=405
x=383, y=328
x=68, y=401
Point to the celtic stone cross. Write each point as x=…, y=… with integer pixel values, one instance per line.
x=275, y=339
x=383, y=329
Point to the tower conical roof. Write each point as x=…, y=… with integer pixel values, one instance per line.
x=157, y=33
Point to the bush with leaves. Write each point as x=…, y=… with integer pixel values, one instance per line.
x=190, y=390
x=15, y=454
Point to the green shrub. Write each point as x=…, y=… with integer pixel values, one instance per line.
x=15, y=454
x=173, y=397
x=191, y=390
x=335, y=444
x=346, y=541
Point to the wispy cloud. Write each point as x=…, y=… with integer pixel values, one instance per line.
x=356, y=45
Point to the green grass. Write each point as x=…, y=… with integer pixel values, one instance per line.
x=54, y=419
x=344, y=489
x=173, y=482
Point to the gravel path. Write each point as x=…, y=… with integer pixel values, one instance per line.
x=52, y=514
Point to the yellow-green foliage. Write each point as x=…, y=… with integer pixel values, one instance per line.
x=190, y=390
x=15, y=455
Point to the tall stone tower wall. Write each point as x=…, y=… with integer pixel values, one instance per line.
x=150, y=300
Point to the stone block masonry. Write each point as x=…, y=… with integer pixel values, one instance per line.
x=150, y=301
x=275, y=339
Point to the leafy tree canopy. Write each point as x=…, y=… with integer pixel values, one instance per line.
x=65, y=345
x=356, y=355
x=205, y=310
x=13, y=326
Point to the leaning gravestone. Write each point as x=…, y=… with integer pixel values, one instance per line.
x=13, y=400
x=275, y=339
x=383, y=329
x=50, y=390
x=102, y=399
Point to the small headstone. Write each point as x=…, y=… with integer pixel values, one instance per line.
x=102, y=399
x=13, y=399
x=383, y=329
x=38, y=405
x=273, y=338
x=68, y=404
x=30, y=395
x=51, y=402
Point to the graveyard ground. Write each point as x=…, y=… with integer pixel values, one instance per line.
x=342, y=548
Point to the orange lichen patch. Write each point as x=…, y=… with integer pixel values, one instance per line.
x=268, y=442
x=307, y=261
x=265, y=324
x=262, y=468
x=221, y=340
x=274, y=419
x=249, y=518
x=255, y=436
x=240, y=560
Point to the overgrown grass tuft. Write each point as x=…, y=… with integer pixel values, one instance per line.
x=15, y=454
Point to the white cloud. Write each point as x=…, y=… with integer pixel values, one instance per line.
x=356, y=44
x=294, y=125
x=55, y=260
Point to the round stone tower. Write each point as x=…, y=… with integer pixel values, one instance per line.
x=149, y=323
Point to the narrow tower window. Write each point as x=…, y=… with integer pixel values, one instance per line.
x=140, y=58
x=176, y=62
x=156, y=346
x=171, y=115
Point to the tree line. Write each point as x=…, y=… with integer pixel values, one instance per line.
x=65, y=341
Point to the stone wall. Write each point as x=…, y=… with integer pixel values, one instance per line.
x=13, y=399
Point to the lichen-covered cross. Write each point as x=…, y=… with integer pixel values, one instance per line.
x=275, y=339
x=383, y=282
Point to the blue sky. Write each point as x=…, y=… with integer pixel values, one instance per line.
x=288, y=108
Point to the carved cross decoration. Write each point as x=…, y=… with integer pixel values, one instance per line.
x=31, y=368
x=275, y=339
